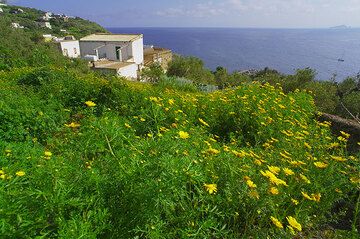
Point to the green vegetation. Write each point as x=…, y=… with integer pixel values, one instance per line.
x=330, y=96
x=77, y=27
x=83, y=155
x=154, y=161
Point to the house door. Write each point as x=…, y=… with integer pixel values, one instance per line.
x=118, y=53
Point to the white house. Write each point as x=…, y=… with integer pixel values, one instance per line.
x=16, y=25
x=70, y=47
x=44, y=24
x=113, y=50
x=47, y=16
x=114, y=47
x=48, y=37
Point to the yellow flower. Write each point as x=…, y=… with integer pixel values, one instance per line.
x=316, y=197
x=171, y=102
x=333, y=145
x=240, y=154
x=276, y=222
x=47, y=154
x=338, y=158
x=306, y=196
x=90, y=103
x=203, y=122
x=20, y=173
x=338, y=190
x=293, y=223
x=72, y=125
x=321, y=165
x=251, y=184
x=274, y=191
x=303, y=177
x=274, y=170
x=342, y=139
x=142, y=119
x=212, y=151
x=127, y=126
x=211, y=188
x=183, y=135
x=294, y=201
x=155, y=99
x=346, y=135
x=292, y=231
x=355, y=180
x=307, y=145
x=273, y=179
x=285, y=156
x=254, y=194
x=288, y=172
x=358, y=143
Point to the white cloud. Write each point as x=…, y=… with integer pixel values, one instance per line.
x=200, y=10
x=272, y=6
x=267, y=13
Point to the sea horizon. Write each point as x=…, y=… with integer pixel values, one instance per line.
x=260, y=28
x=282, y=49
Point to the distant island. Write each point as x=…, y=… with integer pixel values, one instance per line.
x=340, y=27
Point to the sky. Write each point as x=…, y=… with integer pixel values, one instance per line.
x=202, y=13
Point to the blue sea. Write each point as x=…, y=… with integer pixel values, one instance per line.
x=282, y=49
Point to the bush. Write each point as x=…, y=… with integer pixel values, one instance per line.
x=190, y=68
x=153, y=73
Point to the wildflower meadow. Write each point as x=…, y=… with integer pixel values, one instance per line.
x=86, y=157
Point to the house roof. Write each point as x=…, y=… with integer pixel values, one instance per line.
x=112, y=37
x=115, y=65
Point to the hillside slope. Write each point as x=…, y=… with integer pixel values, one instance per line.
x=76, y=26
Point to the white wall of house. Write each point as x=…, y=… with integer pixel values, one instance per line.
x=138, y=51
x=45, y=24
x=130, y=51
x=129, y=71
x=70, y=48
x=107, y=50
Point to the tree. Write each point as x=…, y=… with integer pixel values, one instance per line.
x=191, y=68
x=221, y=77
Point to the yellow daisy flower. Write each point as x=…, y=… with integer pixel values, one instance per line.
x=20, y=173
x=321, y=165
x=276, y=222
x=184, y=135
x=293, y=223
x=211, y=188
x=251, y=184
x=90, y=103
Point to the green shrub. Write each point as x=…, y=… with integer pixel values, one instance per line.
x=190, y=68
